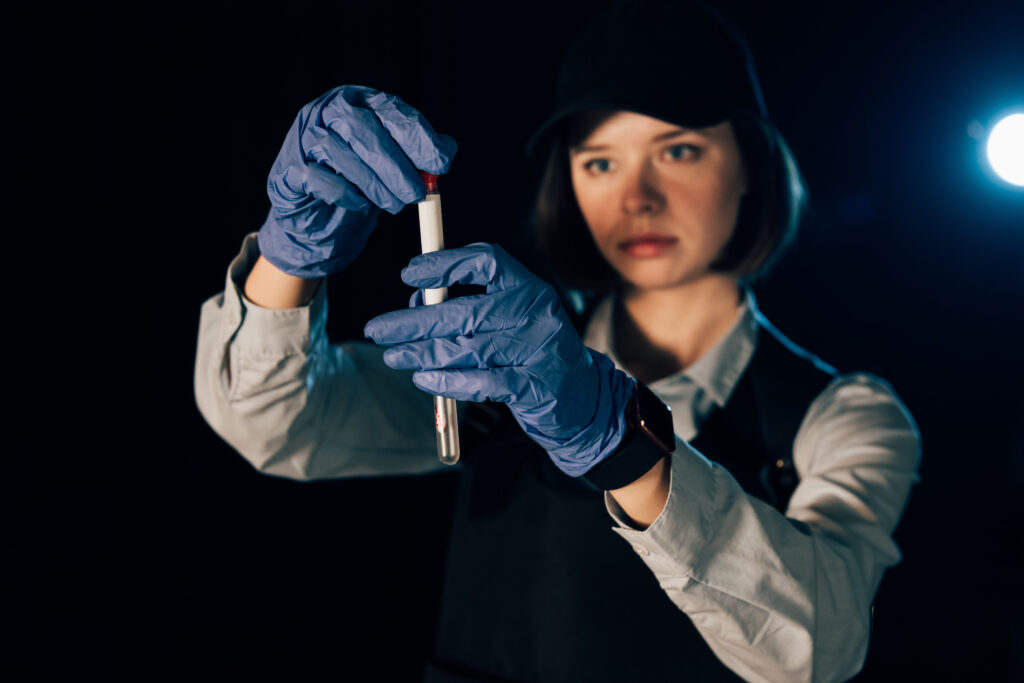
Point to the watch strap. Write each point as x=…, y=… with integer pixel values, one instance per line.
x=649, y=437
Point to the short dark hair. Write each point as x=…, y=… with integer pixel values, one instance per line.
x=769, y=215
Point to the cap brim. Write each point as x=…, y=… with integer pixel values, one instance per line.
x=697, y=120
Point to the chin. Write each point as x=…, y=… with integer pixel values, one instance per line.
x=653, y=280
x=653, y=276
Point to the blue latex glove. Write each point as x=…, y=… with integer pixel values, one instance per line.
x=513, y=344
x=350, y=153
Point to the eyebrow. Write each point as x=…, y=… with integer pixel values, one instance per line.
x=657, y=138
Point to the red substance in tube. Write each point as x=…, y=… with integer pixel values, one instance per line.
x=430, y=180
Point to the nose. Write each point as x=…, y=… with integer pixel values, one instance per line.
x=640, y=194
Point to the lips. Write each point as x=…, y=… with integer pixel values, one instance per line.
x=648, y=239
x=647, y=246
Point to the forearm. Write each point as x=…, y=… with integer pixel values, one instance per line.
x=775, y=601
x=754, y=585
x=268, y=382
x=644, y=499
x=788, y=597
x=270, y=287
x=255, y=368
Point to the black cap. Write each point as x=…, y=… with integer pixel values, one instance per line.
x=681, y=62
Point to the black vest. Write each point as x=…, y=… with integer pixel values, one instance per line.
x=538, y=588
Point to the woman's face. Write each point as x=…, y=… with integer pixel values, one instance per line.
x=661, y=201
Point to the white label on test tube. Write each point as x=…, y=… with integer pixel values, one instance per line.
x=432, y=239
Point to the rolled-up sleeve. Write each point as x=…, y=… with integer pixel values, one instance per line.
x=788, y=597
x=272, y=386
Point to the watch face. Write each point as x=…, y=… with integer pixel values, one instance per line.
x=655, y=418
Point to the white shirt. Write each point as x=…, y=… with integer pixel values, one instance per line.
x=773, y=603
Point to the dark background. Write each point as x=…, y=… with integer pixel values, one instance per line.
x=910, y=265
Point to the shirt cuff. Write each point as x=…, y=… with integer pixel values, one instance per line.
x=255, y=330
x=679, y=533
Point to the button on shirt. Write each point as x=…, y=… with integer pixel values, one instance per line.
x=774, y=601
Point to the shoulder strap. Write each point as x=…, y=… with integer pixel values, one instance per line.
x=785, y=379
x=752, y=436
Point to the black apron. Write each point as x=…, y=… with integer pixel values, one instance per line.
x=538, y=588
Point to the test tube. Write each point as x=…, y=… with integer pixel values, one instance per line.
x=446, y=419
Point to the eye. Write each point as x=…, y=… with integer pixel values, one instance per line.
x=598, y=166
x=682, y=151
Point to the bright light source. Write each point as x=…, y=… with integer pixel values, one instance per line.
x=1006, y=149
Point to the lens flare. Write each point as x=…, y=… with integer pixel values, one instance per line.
x=1005, y=149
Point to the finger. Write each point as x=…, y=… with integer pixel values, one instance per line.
x=466, y=316
x=349, y=116
x=501, y=384
x=311, y=179
x=327, y=149
x=493, y=350
x=427, y=149
x=416, y=299
x=477, y=264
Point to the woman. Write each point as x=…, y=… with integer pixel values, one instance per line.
x=757, y=513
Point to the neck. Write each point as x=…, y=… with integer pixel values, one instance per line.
x=660, y=332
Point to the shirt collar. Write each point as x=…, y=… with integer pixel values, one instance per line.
x=716, y=372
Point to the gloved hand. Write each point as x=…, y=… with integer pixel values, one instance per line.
x=513, y=344
x=350, y=153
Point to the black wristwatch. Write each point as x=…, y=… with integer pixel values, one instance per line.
x=650, y=436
